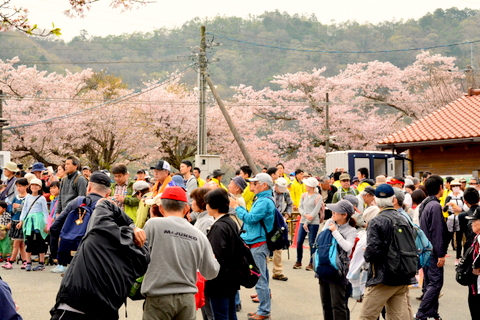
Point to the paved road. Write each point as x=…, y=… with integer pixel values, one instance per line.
x=297, y=298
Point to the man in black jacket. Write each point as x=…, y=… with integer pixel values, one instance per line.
x=110, y=258
x=382, y=287
x=435, y=228
x=327, y=190
x=71, y=186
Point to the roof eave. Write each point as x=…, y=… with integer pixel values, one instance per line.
x=406, y=145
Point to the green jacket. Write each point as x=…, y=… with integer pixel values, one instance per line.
x=131, y=202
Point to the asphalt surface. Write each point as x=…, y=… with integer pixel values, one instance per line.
x=297, y=298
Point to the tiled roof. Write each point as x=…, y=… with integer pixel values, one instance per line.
x=457, y=120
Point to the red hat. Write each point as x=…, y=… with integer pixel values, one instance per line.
x=395, y=181
x=174, y=193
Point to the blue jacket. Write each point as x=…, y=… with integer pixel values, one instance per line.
x=7, y=305
x=263, y=209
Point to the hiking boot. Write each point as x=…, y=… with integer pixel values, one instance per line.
x=420, y=298
x=309, y=267
x=58, y=269
x=280, y=277
x=7, y=265
x=297, y=265
x=257, y=317
x=40, y=267
x=24, y=265
x=28, y=267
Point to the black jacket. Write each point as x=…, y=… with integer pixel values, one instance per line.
x=379, y=239
x=105, y=266
x=433, y=224
x=222, y=238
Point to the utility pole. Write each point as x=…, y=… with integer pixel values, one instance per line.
x=327, y=128
x=235, y=133
x=202, y=88
x=1, y=117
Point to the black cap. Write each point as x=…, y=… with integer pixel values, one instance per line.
x=100, y=178
x=476, y=215
x=141, y=171
x=86, y=168
x=161, y=165
x=217, y=173
x=369, y=190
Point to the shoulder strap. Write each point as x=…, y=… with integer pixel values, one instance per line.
x=31, y=206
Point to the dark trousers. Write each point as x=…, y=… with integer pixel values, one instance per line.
x=64, y=258
x=474, y=303
x=333, y=301
x=53, y=248
x=433, y=279
x=312, y=235
x=223, y=308
x=68, y=315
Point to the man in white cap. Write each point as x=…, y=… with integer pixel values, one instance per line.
x=262, y=212
x=10, y=191
x=161, y=173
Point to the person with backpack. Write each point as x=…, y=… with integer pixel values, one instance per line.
x=433, y=225
x=473, y=290
x=221, y=290
x=333, y=287
x=72, y=185
x=67, y=224
x=312, y=213
x=263, y=210
x=387, y=285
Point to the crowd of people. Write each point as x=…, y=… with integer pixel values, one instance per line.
x=168, y=232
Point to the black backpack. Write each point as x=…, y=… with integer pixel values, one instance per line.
x=463, y=271
x=277, y=238
x=244, y=268
x=402, y=257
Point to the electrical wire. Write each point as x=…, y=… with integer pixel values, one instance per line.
x=114, y=101
x=343, y=52
x=98, y=62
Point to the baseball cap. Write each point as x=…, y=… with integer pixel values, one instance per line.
x=344, y=176
x=140, y=185
x=384, y=191
x=396, y=180
x=36, y=181
x=399, y=194
x=240, y=182
x=369, y=190
x=343, y=207
x=162, y=165
x=100, y=177
x=174, y=193
x=262, y=177
x=352, y=199
x=141, y=171
x=282, y=184
x=86, y=168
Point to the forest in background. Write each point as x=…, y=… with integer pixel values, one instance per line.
x=140, y=57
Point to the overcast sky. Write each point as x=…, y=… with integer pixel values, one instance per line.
x=103, y=20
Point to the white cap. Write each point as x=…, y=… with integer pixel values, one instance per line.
x=282, y=185
x=262, y=177
x=311, y=182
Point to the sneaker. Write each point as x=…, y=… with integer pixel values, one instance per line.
x=40, y=267
x=28, y=267
x=297, y=265
x=280, y=277
x=309, y=267
x=420, y=298
x=257, y=317
x=7, y=265
x=24, y=265
x=58, y=269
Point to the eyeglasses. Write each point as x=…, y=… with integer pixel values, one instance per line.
x=473, y=183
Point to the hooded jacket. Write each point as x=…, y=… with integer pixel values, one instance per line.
x=105, y=266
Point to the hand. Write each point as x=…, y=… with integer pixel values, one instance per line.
x=305, y=227
x=332, y=227
x=140, y=236
x=46, y=230
x=476, y=272
x=441, y=262
x=233, y=202
x=119, y=198
x=16, y=205
x=308, y=217
x=19, y=225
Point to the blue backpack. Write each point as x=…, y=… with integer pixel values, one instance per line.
x=75, y=225
x=423, y=245
x=325, y=248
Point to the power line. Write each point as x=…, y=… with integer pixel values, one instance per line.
x=114, y=101
x=98, y=62
x=337, y=52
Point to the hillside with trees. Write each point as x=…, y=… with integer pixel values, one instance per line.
x=141, y=57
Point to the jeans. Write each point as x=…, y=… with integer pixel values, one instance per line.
x=237, y=298
x=260, y=255
x=302, y=234
x=223, y=308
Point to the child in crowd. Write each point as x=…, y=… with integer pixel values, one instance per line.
x=16, y=234
x=54, y=191
x=33, y=222
x=5, y=219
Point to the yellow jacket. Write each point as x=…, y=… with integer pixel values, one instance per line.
x=362, y=186
x=200, y=182
x=248, y=197
x=218, y=183
x=296, y=190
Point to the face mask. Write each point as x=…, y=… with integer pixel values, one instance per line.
x=456, y=189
